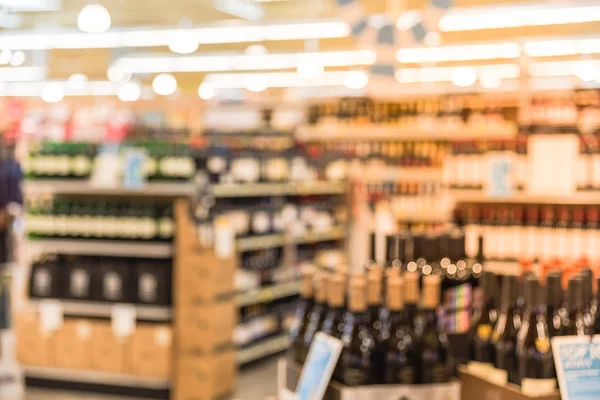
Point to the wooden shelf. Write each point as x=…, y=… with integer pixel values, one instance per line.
x=478, y=196
x=112, y=248
x=94, y=309
x=264, y=349
x=278, y=189
x=57, y=186
x=279, y=239
x=268, y=294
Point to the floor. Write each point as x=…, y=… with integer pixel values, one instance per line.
x=256, y=382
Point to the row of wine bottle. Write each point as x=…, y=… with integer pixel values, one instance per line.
x=399, y=342
x=512, y=330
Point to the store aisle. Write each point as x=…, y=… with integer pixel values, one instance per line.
x=257, y=382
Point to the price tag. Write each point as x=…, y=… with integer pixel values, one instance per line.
x=318, y=368
x=500, y=182
x=123, y=319
x=107, y=167
x=51, y=316
x=133, y=168
x=577, y=361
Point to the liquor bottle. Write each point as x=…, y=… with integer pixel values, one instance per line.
x=317, y=314
x=400, y=354
x=504, y=337
x=333, y=324
x=355, y=365
x=555, y=299
x=574, y=322
x=435, y=362
x=596, y=327
x=534, y=354
x=589, y=303
x=303, y=313
x=484, y=321
x=412, y=296
x=374, y=322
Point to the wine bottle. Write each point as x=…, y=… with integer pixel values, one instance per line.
x=317, y=313
x=555, y=299
x=355, y=363
x=534, y=354
x=574, y=322
x=596, y=327
x=412, y=296
x=303, y=313
x=401, y=359
x=333, y=324
x=484, y=321
x=504, y=337
x=374, y=322
x=435, y=362
x=589, y=303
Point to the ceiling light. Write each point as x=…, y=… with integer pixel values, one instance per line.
x=94, y=18
x=242, y=62
x=356, y=80
x=586, y=71
x=491, y=51
x=464, y=76
x=18, y=58
x=256, y=50
x=275, y=79
x=129, y=91
x=118, y=75
x=77, y=82
x=32, y=5
x=52, y=93
x=517, y=16
x=565, y=47
x=559, y=68
x=164, y=84
x=490, y=80
x=5, y=56
x=22, y=74
x=407, y=20
x=183, y=43
x=432, y=39
x=207, y=91
x=445, y=74
x=241, y=9
x=257, y=83
x=310, y=70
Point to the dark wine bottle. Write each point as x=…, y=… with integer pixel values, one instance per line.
x=401, y=358
x=574, y=322
x=317, y=314
x=435, y=365
x=412, y=296
x=596, y=327
x=484, y=321
x=504, y=337
x=589, y=304
x=374, y=309
x=555, y=299
x=333, y=324
x=302, y=318
x=534, y=354
x=355, y=365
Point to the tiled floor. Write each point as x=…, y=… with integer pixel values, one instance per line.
x=257, y=382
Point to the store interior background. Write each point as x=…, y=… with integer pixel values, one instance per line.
x=258, y=137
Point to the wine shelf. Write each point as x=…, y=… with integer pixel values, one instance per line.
x=113, y=248
x=164, y=189
x=267, y=294
x=279, y=239
x=105, y=378
x=91, y=309
x=478, y=196
x=399, y=174
x=386, y=132
x=264, y=349
x=278, y=189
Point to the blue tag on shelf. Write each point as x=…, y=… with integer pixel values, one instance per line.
x=133, y=168
x=500, y=182
x=577, y=361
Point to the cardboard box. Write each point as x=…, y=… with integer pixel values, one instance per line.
x=205, y=326
x=475, y=388
x=202, y=276
x=204, y=377
x=151, y=351
x=109, y=353
x=289, y=375
x=33, y=346
x=72, y=344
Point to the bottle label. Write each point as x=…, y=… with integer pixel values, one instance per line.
x=79, y=283
x=484, y=332
x=354, y=376
x=542, y=345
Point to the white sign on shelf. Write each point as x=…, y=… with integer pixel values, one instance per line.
x=123, y=318
x=51, y=315
x=321, y=360
x=577, y=361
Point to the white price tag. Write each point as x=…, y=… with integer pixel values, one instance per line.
x=123, y=319
x=224, y=238
x=51, y=315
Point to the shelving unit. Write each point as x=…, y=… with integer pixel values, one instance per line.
x=112, y=248
x=269, y=293
x=90, y=309
x=278, y=189
x=479, y=196
x=279, y=239
x=264, y=348
x=56, y=186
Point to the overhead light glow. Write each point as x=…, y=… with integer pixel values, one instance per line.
x=32, y=5
x=489, y=80
x=470, y=19
x=445, y=74
x=565, y=47
x=129, y=91
x=77, y=82
x=94, y=18
x=256, y=50
x=22, y=74
x=561, y=68
x=491, y=51
x=53, y=93
x=464, y=76
x=164, y=84
x=257, y=83
x=356, y=80
x=5, y=56
x=18, y=58
x=310, y=70
x=207, y=91
x=182, y=42
x=586, y=71
x=275, y=79
x=118, y=75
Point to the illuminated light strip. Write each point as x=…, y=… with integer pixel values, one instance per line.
x=22, y=74
x=444, y=74
x=275, y=79
x=456, y=20
x=225, y=33
x=32, y=5
x=557, y=68
x=562, y=47
x=491, y=51
x=242, y=62
x=34, y=89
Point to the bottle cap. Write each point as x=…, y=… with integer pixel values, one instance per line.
x=395, y=293
x=336, y=291
x=306, y=289
x=554, y=291
x=411, y=287
x=358, y=301
x=431, y=292
x=510, y=291
x=374, y=289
